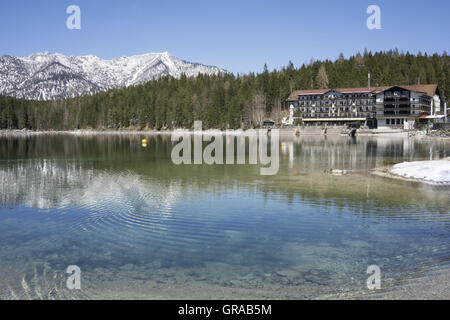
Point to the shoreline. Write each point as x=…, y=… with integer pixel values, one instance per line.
x=294, y=131
x=385, y=172
x=431, y=172
x=78, y=132
x=433, y=285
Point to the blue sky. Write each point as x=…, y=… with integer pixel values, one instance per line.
x=239, y=36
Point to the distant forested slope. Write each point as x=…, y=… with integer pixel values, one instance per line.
x=221, y=101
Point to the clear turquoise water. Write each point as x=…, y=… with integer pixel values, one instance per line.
x=140, y=227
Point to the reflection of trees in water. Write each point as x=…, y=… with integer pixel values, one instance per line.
x=76, y=146
x=110, y=146
x=109, y=166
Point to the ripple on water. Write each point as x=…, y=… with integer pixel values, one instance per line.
x=305, y=236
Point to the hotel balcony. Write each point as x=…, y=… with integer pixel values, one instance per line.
x=397, y=94
x=346, y=115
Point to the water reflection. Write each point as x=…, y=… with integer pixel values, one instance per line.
x=140, y=226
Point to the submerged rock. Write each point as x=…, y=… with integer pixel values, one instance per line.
x=337, y=172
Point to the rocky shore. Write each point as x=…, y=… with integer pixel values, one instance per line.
x=441, y=133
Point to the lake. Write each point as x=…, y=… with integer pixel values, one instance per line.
x=139, y=226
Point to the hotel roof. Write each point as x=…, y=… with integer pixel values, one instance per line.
x=428, y=89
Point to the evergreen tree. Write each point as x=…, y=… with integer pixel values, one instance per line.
x=221, y=101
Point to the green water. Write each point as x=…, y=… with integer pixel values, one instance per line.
x=139, y=226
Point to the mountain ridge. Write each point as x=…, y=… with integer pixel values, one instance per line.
x=46, y=76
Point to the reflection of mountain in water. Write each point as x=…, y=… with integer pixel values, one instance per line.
x=129, y=213
x=115, y=171
x=48, y=184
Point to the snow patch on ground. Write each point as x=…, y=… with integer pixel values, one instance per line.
x=435, y=170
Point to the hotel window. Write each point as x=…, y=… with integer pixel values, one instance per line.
x=388, y=121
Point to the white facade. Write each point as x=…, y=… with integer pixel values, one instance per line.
x=289, y=121
x=398, y=123
x=437, y=104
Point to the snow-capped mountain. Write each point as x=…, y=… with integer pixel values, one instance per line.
x=46, y=76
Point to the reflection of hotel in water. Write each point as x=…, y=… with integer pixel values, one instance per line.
x=367, y=153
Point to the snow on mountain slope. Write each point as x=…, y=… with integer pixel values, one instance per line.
x=46, y=76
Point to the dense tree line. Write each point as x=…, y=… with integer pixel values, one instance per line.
x=221, y=101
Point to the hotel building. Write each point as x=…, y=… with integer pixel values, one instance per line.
x=378, y=107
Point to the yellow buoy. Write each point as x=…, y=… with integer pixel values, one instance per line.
x=144, y=143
